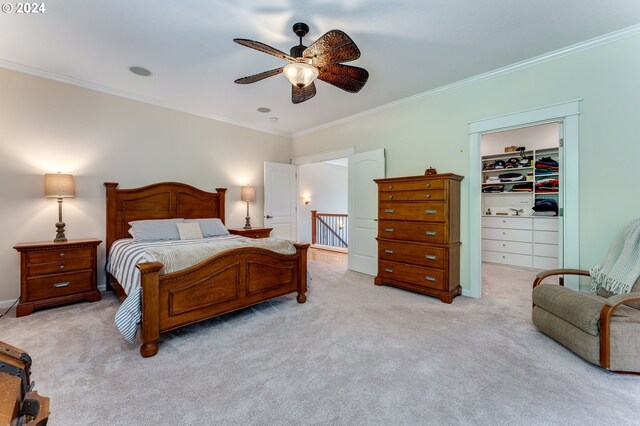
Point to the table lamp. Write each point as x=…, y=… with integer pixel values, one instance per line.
x=248, y=194
x=59, y=185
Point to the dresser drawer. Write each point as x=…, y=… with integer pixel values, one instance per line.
x=62, y=266
x=412, y=185
x=425, y=232
x=59, y=285
x=547, y=250
x=432, y=278
x=507, y=246
x=545, y=262
x=433, y=257
x=545, y=237
x=507, y=234
x=431, y=211
x=546, y=224
x=507, y=222
x=430, y=195
x=507, y=258
x=56, y=255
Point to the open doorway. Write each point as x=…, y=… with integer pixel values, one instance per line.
x=323, y=209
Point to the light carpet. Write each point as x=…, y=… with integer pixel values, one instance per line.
x=354, y=354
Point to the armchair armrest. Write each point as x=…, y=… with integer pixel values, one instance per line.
x=551, y=272
x=610, y=305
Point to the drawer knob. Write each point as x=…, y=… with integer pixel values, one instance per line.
x=388, y=210
x=388, y=270
x=61, y=254
x=61, y=267
x=428, y=278
x=428, y=195
x=388, y=229
x=428, y=185
x=431, y=211
x=430, y=257
x=390, y=197
x=60, y=285
x=390, y=186
x=430, y=233
x=388, y=251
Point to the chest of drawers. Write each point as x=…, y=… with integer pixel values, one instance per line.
x=419, y=234
x=56, y=273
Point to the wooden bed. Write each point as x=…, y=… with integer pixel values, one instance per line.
x=223, y=283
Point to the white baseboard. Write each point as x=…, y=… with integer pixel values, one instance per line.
x=4, y=304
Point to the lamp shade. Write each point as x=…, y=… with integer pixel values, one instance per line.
x=300, y=74
x=248, y=193
x=59, y=185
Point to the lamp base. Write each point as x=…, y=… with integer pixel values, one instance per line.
x=60, y=237
x=247, y=223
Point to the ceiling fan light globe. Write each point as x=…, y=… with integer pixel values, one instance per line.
x=300, y=74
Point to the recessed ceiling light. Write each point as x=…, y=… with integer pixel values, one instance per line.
x=264, y=109
x=273, y=119
x=140, y=71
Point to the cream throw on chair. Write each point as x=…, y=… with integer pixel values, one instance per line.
x=621, y=268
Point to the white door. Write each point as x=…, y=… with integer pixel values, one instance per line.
x=280, y=189
x=363, y=210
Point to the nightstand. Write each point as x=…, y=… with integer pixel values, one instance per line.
x=57, y=273
x=252, y=233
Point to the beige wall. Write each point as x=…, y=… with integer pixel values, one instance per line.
x=48, y=126
x=432, y=130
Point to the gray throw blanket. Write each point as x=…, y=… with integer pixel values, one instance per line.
x=621, y=268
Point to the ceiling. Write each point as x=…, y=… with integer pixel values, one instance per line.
x=408, y=47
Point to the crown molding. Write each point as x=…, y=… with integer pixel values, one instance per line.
x=120, y=93
x=550, y=56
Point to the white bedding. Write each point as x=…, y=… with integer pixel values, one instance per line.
x=175, y=255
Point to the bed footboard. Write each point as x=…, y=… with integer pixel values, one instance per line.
x=229, y=281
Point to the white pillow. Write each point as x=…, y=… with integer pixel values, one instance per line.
x=210, y=227
x=189, y=231
x=155, y=229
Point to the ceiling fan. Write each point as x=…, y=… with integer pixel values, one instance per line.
x=322, y=60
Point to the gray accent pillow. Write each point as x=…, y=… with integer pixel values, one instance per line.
x=155, y=229
x=212, y=227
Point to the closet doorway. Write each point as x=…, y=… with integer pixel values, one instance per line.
x=521, y=199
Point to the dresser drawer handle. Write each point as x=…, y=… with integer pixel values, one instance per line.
x=431, y=211
x=390, y=197
x=430, y=257
x=428, y=278
x=430, y=233
x=390, y=186
x=388, y=270
x=61, y=267
x=60, y=285
x=61, y=254
x=388, y=251
x=388, y=229
x=428, y=195
x=388, y=210
x=428, y=185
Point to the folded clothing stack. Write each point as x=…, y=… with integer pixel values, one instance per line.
x=547, y=185
x=493, y=189
x=511, y=177
x=493, y=179
x=545, y=207
x=522, y=187
x=546, y=166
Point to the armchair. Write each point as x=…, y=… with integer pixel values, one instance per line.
x=603, y=330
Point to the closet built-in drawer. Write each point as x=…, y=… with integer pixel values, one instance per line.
x=507, y=258
x=409, y=186
x=432, y=278
x=432, y=211
x=423, y=195
x=507, y=222
x=540, y=262
x=545, y=237
x=426, y=232
x=507, y=234
x=433, y=257
x=507, y=246
x=550, y=224
x=546, y=250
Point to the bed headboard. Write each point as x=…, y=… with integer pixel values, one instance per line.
x=164, y=200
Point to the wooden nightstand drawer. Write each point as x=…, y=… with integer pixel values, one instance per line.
x=49, y=286
x=429, y=211
x=252, y=232
x=424, y=277
x=59, y=254
x=62, y=266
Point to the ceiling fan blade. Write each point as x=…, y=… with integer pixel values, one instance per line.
x=258, y=77
x=346, y=77
x=333, y=47
x=301, y=94
x=263, y=48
